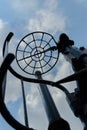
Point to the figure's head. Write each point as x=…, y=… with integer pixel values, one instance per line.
x=63, y=37
x=64, y=42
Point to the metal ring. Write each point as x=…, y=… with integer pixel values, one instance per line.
x=34, y=52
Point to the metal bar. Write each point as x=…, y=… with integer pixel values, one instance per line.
x=55, y=121
x=24, y=104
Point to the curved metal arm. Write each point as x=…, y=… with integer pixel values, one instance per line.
x=78, y=75
x=75, y=76
x=5, y=53
x=3, y=109
x=5, y=46
x=47, y=82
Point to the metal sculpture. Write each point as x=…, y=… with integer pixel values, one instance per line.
x=37, y=50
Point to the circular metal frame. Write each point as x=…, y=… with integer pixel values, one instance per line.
x=34, y=53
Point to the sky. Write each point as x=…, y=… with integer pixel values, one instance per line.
x=54, y=17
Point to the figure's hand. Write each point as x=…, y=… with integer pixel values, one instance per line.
x=53, y=48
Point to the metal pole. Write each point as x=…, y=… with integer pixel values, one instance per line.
x=55, y=121
x=24, y=104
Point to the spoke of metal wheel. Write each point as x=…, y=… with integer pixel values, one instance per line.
x=27, y=44
x=42, y=38
x=25, y=58
x=27, y=65
x=40, y=64
x=34, y=40
x=47, y=63
x=45, y=46
x=24, y=41
x=48, y=43
x=50, y=40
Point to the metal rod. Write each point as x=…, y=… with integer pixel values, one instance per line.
x=24, y=104
x=55, y=121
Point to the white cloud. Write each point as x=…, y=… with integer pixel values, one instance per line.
x=48, y=19
x=43, y=15
x=32, y=100
x=32, y=96
x=64, y=68
x=13, y=88
x=3, y=25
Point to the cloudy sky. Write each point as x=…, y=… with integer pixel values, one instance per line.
x=55, y=17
